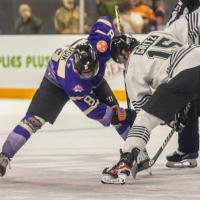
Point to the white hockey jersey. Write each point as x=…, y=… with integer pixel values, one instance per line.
x=181, y=10
x=160, y=57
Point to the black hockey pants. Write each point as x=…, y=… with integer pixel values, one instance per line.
x=173, y=96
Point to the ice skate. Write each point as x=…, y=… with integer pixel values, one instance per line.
x=182, y=160
x=4, y=162
x=118, y=173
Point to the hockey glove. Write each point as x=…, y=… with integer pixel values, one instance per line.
x=181, y=119
x=123, y=116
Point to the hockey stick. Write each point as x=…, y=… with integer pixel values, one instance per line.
x=150, y=162
x=119, y=28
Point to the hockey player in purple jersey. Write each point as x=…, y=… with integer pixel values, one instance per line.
x=74, y=72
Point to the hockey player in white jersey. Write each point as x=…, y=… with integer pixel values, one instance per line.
x=163, y=63
x=188, y=138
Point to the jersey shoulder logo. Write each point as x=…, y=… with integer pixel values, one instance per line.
x=102, y=46
x=78, y=88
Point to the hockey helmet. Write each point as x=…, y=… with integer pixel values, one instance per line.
x=85, y=61
x=120, y=45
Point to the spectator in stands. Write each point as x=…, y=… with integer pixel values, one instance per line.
x=160, y=11
x=144, y=8
x=131, y=22
x=27, y=23
x=105, y=7
x=67, y=18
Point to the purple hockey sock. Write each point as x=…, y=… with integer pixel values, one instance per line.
x=123, y=130
x=15, y=141
x=105, y=121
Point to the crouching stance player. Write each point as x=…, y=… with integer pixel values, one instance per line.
x=75, y=72
x=163, y=63
x=188, y=138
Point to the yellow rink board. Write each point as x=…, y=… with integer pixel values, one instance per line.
x=13, y=93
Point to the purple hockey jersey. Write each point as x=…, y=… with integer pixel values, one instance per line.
x=60, y=71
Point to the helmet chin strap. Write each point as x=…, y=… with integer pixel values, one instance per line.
x=85, y=77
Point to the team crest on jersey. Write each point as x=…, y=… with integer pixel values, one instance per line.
x=102, y=46
x=78, y=88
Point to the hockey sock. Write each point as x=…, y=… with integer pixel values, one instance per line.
x=123, y=130
x=13, y=143
x=139, y=134
x=19, y=136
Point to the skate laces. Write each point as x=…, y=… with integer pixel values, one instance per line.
x=115, y=166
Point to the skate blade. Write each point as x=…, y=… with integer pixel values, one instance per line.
x=189, y=163
x=107, y=179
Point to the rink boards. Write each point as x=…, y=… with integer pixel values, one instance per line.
x=23, y=60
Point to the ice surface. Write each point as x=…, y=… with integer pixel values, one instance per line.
x=64, y=162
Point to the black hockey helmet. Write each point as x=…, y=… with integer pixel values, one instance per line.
x=85, y=61
x=122, y=43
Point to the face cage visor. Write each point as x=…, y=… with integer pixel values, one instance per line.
x=86, y=72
